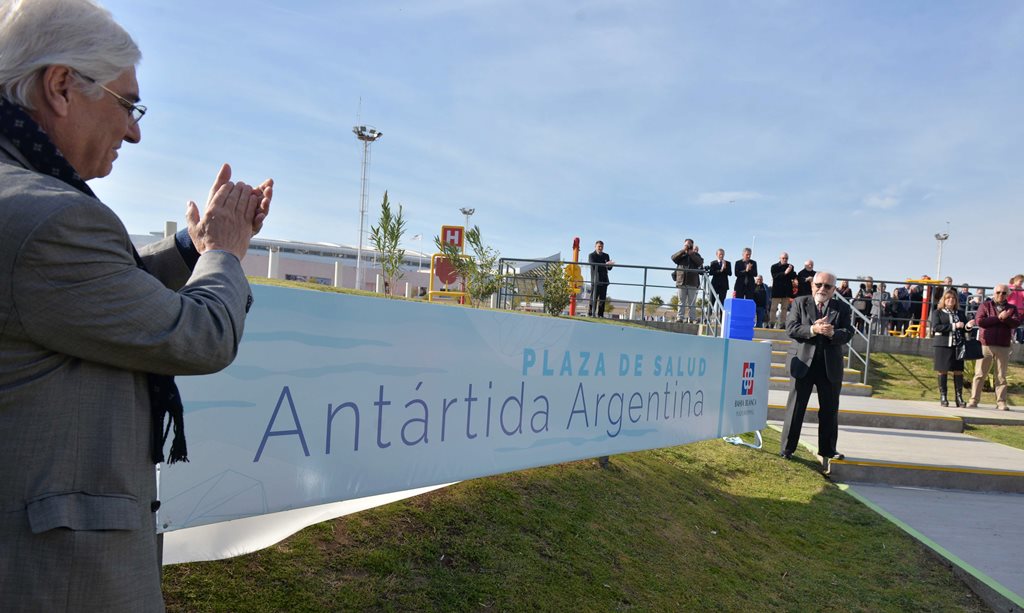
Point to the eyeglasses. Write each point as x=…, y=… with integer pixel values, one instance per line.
x=997, y=293
x=135, y=110
x=821, y=285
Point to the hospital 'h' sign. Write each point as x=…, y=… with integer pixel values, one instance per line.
x=454, y=235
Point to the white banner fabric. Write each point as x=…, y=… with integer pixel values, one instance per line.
x=336, y=397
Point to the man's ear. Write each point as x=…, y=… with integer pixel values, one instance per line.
x=54, y=92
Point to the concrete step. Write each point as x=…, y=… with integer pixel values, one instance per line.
x=985, y=414
x=780, y=357
x=879, y=419
x=770, y=333
x=849, y=375
x=849, y=389
x=778, y=344
x=937, y=460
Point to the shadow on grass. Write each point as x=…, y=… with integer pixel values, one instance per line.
x=894, y=374
x=680, y=528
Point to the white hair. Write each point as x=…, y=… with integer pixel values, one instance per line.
x=825, y=273
x=79, y=34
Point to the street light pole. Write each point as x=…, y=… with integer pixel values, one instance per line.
x=366, y=134
x=468, y=213
x=940, y=238
x=418, y=238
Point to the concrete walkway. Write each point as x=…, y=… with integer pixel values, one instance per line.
x=961, y=496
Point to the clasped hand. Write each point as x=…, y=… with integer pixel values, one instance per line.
x=234, y=213
x=823, y=327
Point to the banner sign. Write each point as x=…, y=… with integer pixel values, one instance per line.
x=336, y=397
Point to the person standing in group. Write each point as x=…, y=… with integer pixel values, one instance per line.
x=844, y=290
x=688, y=261
x=600, y=264
x=783, y=276
x=964, y=296
x=761, y=301
x=863, y=302
x=1016, y=298
x=92, y=332
x=900, y=308
x=821, y=326
x=997, y=319
x=976, y=301
x=883, y=308
x=745, y=271
x=949, y=332
x=721, y=270
x=804, y=278
x=937, y=292
x=916, y=301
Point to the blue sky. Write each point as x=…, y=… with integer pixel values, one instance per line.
x=847, y=132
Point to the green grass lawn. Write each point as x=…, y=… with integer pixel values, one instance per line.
x=708, y=526
x=1007, y=435
x=911, y=377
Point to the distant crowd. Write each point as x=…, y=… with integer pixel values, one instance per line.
x=880, y=310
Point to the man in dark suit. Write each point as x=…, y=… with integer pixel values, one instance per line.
x=783, y=276
x=721, y=270
x=822, y=327
x=745, y=271
x=91, y=331
x=600, y=264
x=804, y=279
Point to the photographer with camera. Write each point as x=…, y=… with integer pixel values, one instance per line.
x=688, y=262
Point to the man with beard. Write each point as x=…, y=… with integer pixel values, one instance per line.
x=821, y=325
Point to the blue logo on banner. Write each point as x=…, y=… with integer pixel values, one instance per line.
x=747, y=382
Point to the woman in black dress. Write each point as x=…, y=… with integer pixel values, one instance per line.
x=949, y=332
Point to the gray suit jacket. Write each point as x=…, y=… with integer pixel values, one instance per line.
x=80, y=325
x=798, y=324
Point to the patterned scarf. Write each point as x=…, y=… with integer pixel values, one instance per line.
x=957, y=338
x=33, y=143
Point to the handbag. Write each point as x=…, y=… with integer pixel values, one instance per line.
x=972, y=349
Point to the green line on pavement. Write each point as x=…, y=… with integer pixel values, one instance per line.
x=939, y=549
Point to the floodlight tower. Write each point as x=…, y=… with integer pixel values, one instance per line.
x=940, y=238
x=367, y=134
x=468, y=213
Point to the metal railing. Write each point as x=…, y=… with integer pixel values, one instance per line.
x=522, y=288
x=863, y=331
x=523, y=285
x=887, y=317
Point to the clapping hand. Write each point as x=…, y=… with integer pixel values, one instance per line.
x=234, y=213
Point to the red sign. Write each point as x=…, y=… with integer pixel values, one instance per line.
x=444, y=271
x=454, y=235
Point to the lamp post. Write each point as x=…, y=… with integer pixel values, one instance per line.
x=366, y=134
x=940, y=238
x=468, y=213
x=418, y=238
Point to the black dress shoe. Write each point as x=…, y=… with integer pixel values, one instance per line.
x=786, y=455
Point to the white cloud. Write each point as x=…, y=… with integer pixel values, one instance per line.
x=881, y=201
x=888, y=198
x=712, y=198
